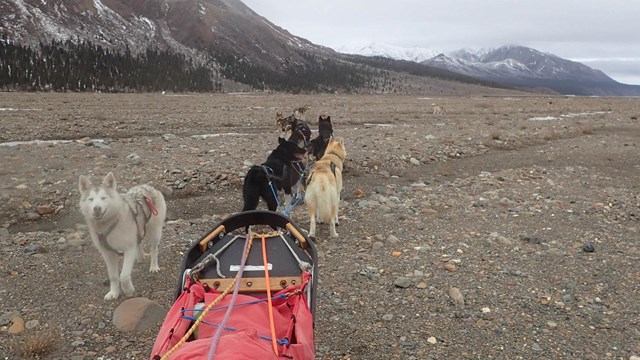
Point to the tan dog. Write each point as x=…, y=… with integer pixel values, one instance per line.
x=324, y=185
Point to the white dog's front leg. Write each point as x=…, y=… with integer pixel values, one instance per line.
x=127, y=267
x=111, y=260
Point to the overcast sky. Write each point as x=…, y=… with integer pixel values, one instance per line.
x=602, y=34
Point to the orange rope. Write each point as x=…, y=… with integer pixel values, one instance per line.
x=266, y=276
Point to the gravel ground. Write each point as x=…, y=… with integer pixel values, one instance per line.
x=506, y=228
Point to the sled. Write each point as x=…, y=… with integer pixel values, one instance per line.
x=244, y=294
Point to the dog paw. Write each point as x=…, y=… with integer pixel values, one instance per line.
x=335, y=235
x=154, y=268
x=111, y=295
x=128, y=290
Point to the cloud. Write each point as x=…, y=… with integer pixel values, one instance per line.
x=570, y=29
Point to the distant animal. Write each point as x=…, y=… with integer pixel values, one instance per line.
x=118, y=223
x=286, y=123
x=324, y=185
x=277, y=173
x=438, y=110
x=319, y=143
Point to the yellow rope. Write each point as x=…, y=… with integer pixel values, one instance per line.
x=200, y=318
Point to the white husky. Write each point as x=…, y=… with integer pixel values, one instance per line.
x=118, y=223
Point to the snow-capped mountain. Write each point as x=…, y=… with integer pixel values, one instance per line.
x=529, y=68
x=513, y=61
x=193, y=28
x=511, y=65
x=415, y=54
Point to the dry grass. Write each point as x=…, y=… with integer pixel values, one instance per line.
x=36, y=344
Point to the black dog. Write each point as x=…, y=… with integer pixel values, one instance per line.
x=264, y=181
x=300, y=133
x=318, y=145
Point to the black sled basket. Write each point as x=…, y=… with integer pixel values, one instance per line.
x=217, y=256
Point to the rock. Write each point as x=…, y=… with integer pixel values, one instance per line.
x=32, y=216
x=456, y=296
x=450, y=267
x=17, y=325
x=137, y=314
x=530, y=239
x=391, y=239
x=432, y=340
x=45, y=209
x=402, y=282
x=358, y=194
x=135, y=158
x=588, y=247
x=414, y=161
x=32, y=324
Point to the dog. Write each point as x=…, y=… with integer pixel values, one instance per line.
x=118, y=223
x=300, y=133
x=286, y=123
x=318, y=145
x=324, y=185
x=279, y=172
x=439, y=110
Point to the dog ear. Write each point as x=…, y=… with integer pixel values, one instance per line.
x=84, y=184
x=109, y=181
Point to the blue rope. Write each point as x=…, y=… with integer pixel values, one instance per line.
x=275, y=194
x=284, y=341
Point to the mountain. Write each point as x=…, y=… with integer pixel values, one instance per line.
x=118, y=45
x=186, y=26
x=524, y=67
x=390, y=51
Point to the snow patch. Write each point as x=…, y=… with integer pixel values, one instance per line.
x=206, y=136
x=565, y=116
x=14, y=109
x=99, y=6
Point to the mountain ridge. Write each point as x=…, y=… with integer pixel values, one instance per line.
x=512, y=65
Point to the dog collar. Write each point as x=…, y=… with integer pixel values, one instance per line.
x=338, y=156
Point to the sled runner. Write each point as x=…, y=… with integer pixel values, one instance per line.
x=244, y=295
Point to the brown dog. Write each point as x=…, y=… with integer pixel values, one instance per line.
x=324, y=185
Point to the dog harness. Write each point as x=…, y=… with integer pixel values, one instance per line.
x=141, y=216
x=332, y=166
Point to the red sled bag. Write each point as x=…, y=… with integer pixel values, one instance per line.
x=269, y=313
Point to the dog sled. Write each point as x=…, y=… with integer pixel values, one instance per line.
x=247, y=290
